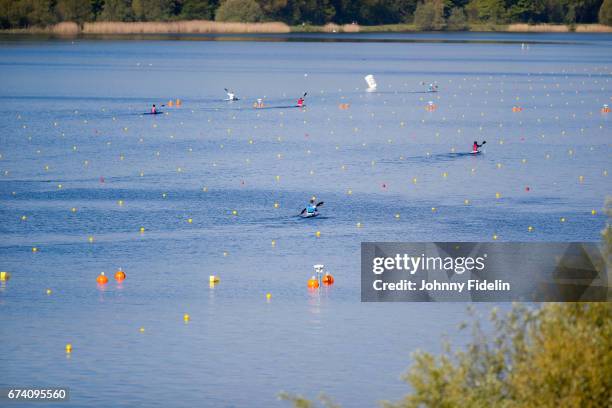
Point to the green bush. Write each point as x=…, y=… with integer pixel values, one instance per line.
x=555, y=356
x=244, y=11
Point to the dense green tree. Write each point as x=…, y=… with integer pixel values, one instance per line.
x=25, y=13
x=246, y=11
x=585, y=10
x=605, y=13
x=197, y=9
x=308, y=12
x=385, y=11
x=272, y=8
x=526, y=11
x=429, y=15
x=74, y=10
x=487, y=11
x=116, y=10
x=457, y=20
x=157, y=10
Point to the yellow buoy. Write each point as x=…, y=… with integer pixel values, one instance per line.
x=186, y=317
x=318, y=234
x=68, y=348
x=4, y=276
x=268, y=296
x=141, y=330
x=593, y=212
x=142, y=230
x=34, y=249
x=49, y=291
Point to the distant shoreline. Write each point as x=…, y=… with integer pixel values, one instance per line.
x=214, y=27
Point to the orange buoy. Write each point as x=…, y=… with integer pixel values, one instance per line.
x=313, y=283
x=605, y=109
x=517, y=109
x=119, y=276
x=430, y=107
x=344, y=106
x=328, y=279
x=170, y=103
x=102, y=279
x=179, y=102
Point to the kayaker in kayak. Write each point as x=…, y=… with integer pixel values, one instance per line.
x=300, y=102
x=153, y=109
x=231, y=95
x=476, y=146
x=311, y=209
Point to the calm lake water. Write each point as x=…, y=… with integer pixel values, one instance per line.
x=70, y=116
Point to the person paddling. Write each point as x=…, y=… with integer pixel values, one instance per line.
x=300, y=102
x=231, y=95
x=311, y=208
x=476, y=146
x=153, y=109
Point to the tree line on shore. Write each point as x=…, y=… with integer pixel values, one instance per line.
x=424, y=14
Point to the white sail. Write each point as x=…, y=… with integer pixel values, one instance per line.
x=371, y=82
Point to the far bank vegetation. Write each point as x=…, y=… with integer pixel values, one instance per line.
x=281, y=16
